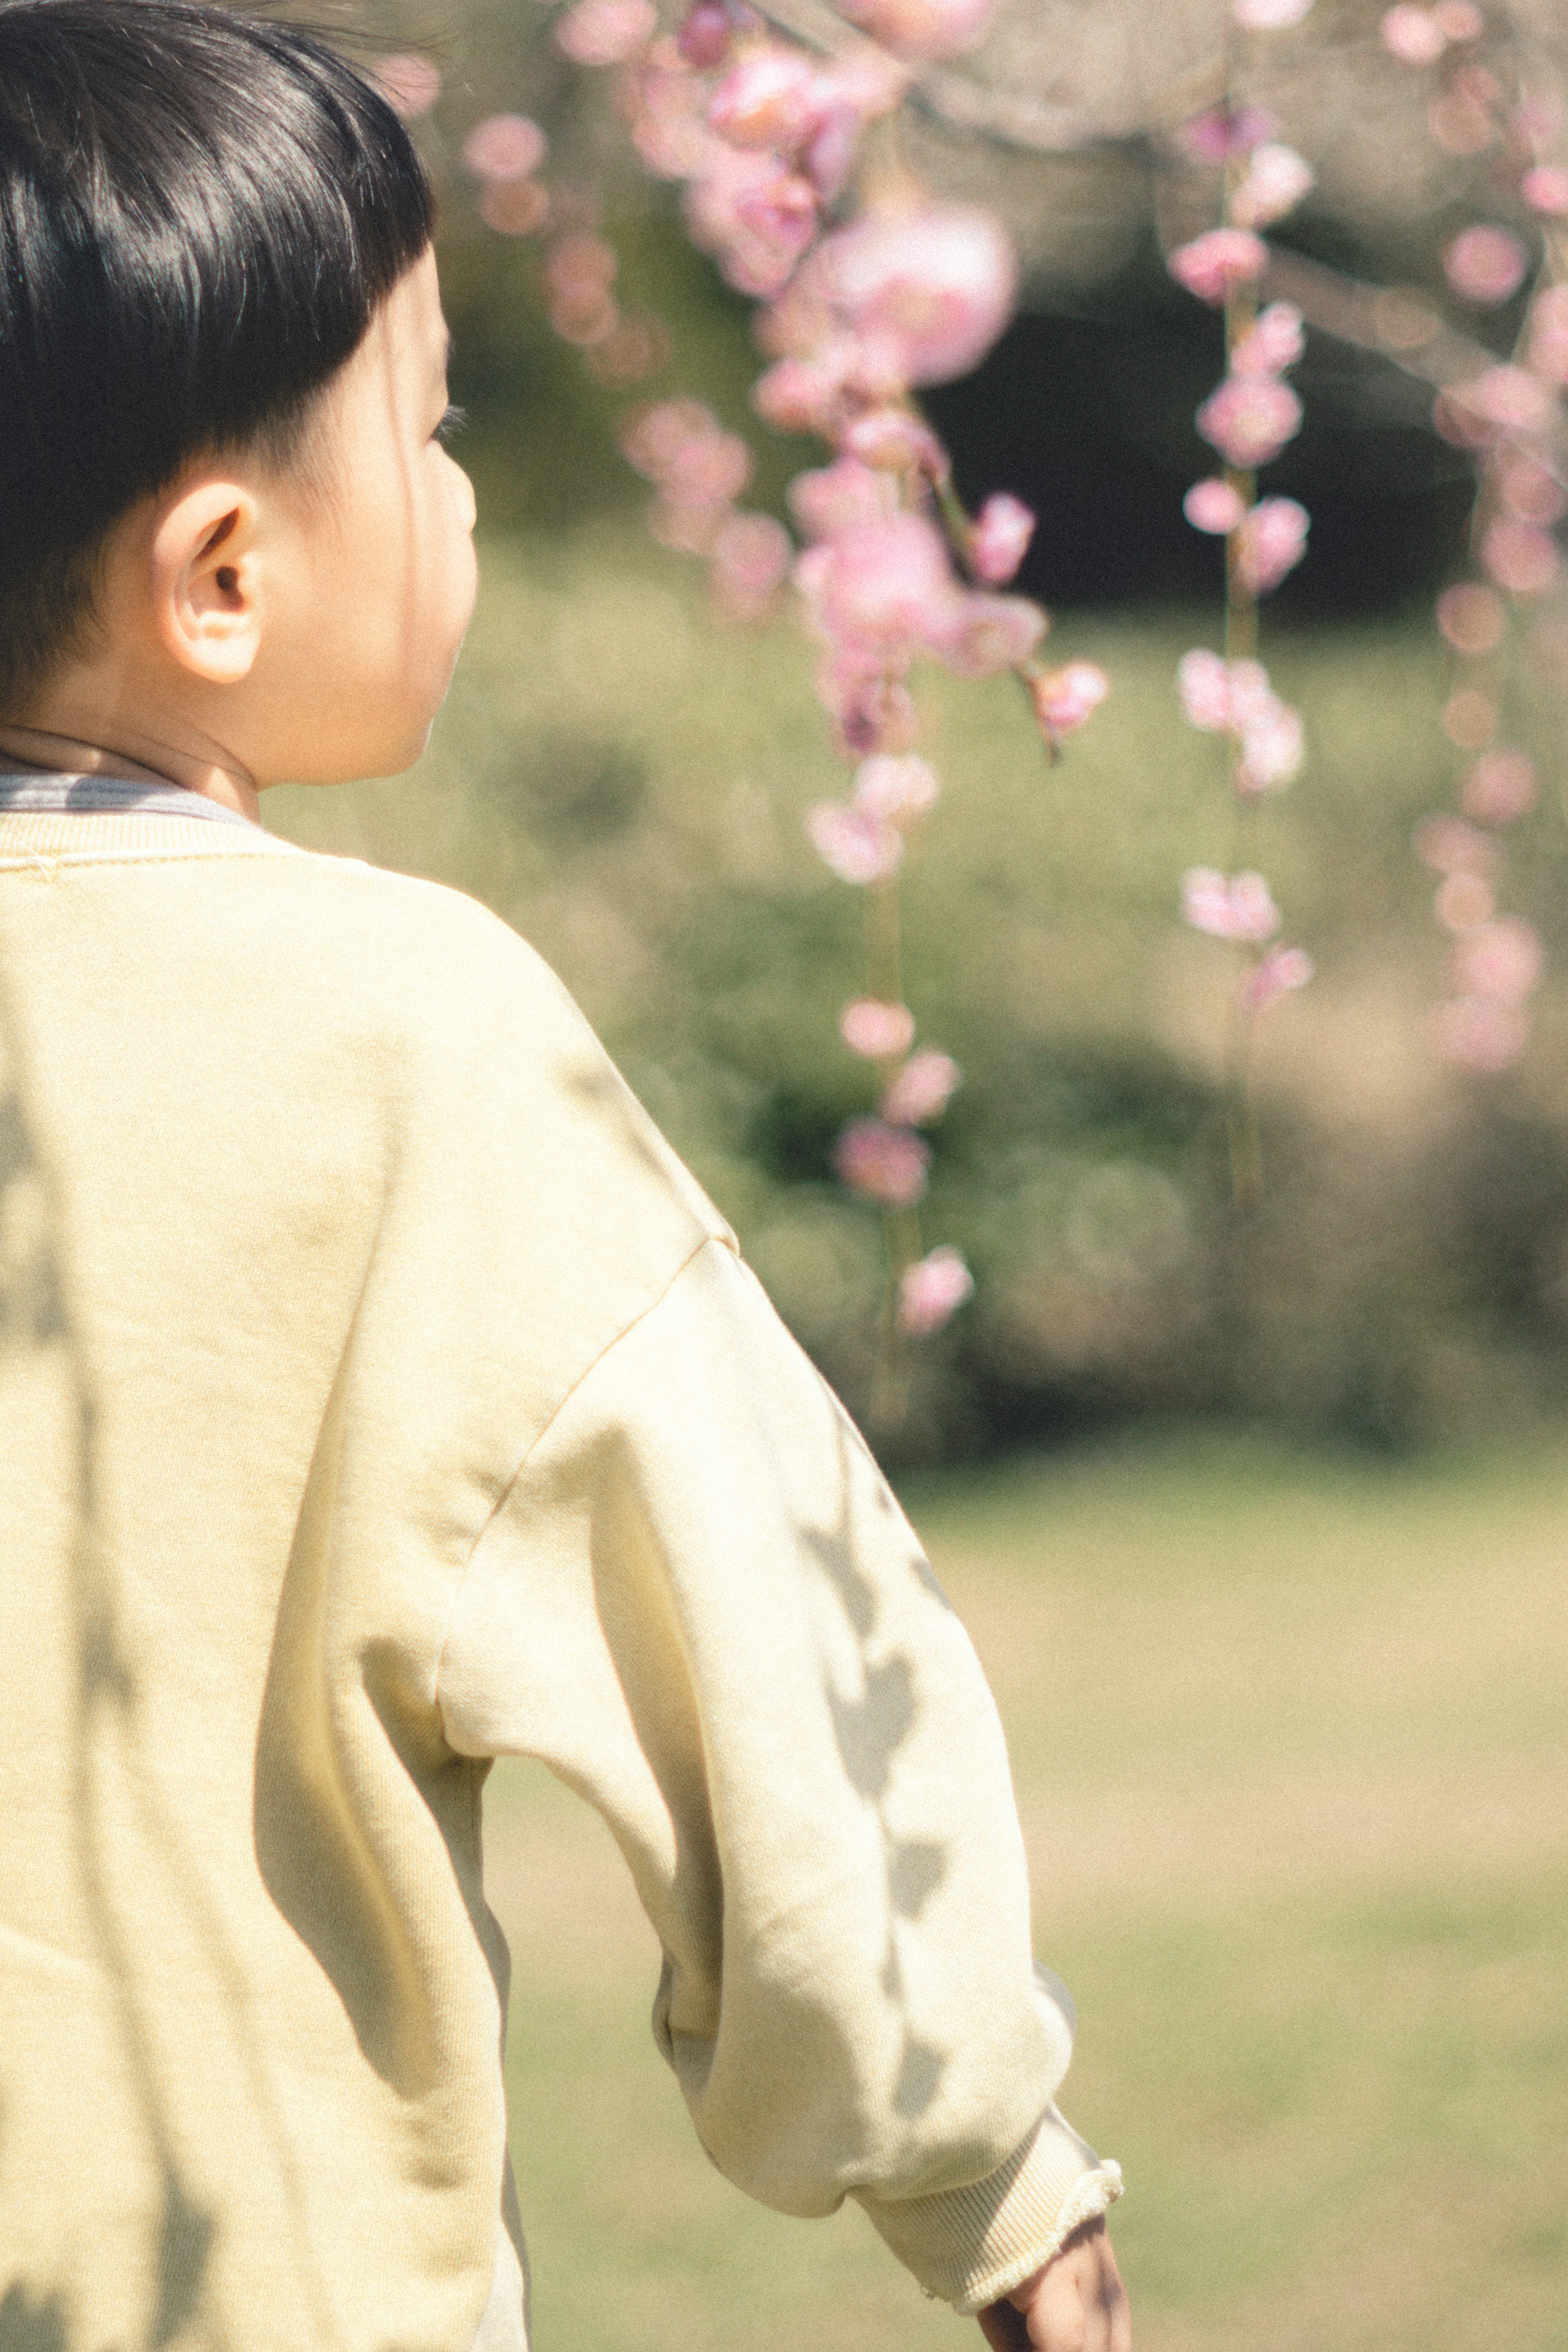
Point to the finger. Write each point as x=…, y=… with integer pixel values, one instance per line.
x=1057, y=2320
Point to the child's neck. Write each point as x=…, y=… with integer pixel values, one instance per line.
x=54, y=753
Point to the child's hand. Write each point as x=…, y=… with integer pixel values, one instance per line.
x=1076, y=2304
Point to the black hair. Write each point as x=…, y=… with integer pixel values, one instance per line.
x=200, y=213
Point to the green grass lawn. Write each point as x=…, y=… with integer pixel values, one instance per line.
x=1290, y=1738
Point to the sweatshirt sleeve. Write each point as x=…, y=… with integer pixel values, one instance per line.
x=699, y=1603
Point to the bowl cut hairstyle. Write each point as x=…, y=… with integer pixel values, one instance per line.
x=200, y=213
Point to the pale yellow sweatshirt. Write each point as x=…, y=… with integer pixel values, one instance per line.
x=378, y=1395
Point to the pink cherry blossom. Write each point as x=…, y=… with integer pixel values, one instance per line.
x=1220, y=698
x=1472, y=618
x=1502, y=785
x=892, y=441
x=1272, y=541
x=1477, y=1034
x=1268, y=15
x=877, y=1031
x=1228, y=906
x=931, y=1292
x=1520, y=556
x=871, y=707
x=1460, y=20
x=1213, y=265
x=831, y=498
x=751, y=563
x=770, y=98
x=1224, y=134
x=922, y=1090
x=1461, y=901
x=1510, y=398
x=653, y=438
x=1500, y=961
x=922, y=28
x=886, y=1164
x=1545, y=190
x=1529, y=488
x=1274, y=343
x=705, y=36
x=1449, y=846
x=504, y=147
x=1549, y=334
x=1470, y=719
x=1485, y=265
x=856, y=848
x=897, y=791
x=514, y=208
x=1273, y=745
x=1064, y=700
x=752, y=211
x=1213, y=505
x=980, y=636
x=1275, y=180
x=1413, y=35
x=606, y=32
x=1249, y=419
x=938, y=285
x=1273, y=975
x=409, y=83
x=999, y=539
x=794, y=396
x=883, y=585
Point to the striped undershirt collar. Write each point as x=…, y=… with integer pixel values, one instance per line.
x=50, y=796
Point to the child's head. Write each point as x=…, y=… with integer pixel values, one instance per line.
x=222, y=365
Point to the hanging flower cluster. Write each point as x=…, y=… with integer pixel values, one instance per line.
x=1509, y=417
x=870, y=291
x=1248, y=420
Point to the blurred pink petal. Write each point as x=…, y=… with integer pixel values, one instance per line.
x=1274, y=343
x=871, y=708
x=999, y=539
x=1228, y=906
x=751, y=559
x=938, y=285
x=1502, y=785
x=886, y=585
x=1486, y=264
x=856, y=848
x=1275, y=180
x=1529, y=489
x=831, y=498
x=1509, y=397
x=1220, y=698
x=1213, y=505
x=1520, y=557
x=653, y=438
x=605, y=32
x=793, y=396
x=1064, y=700
x=886, y=1164
x=1224, y=134
x=1499, y=960
x=1462, y=901
x=897, y=791
x=980, y=636
x=409, y=83
x=1477, y=1034
x=922, y=28
x=930, y=1293
x=1545, y=190
x=1249, y=419
x=1449, y=846
x=1268, y=16
x=1218, y=261
x=877, y=1031
x=1469, y=718
x=891, y=441
x=1271, y=542
x=505, y=147
x=1273, y=975
x=769, y=98
x=1413, y=35
x=704, y=36
x=1272, y=749
x=1472, y=618
x=1459, y=20
x=922, y=1090
x=514, y=208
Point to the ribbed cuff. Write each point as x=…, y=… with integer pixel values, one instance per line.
x=972, y=2245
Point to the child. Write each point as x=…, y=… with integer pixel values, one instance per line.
x=377, y=1394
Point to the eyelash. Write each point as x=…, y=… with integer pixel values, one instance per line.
x=453, y=422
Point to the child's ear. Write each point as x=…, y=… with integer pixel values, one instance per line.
x=205, y=589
